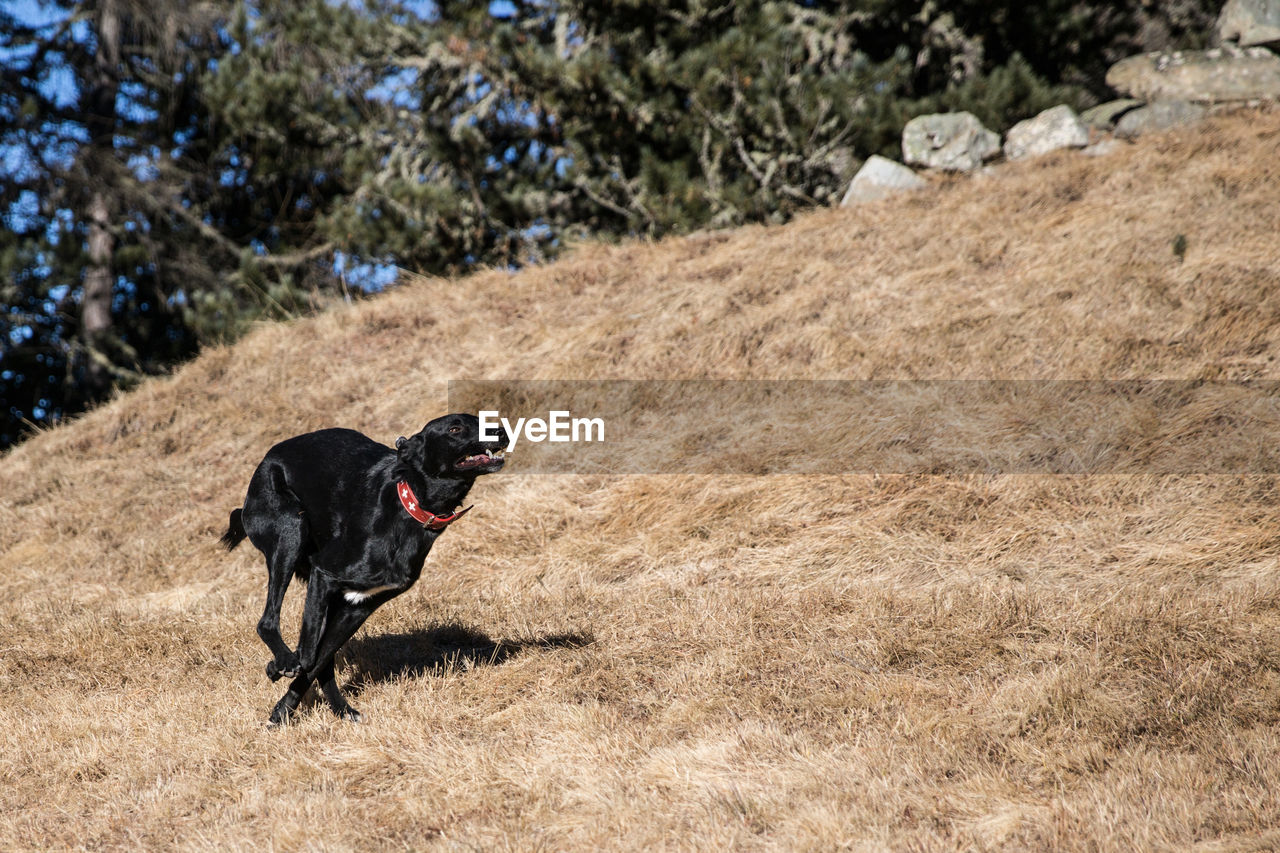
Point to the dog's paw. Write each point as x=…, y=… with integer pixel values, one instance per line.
x=275, y=673
x=281, y=715
x=351, y=715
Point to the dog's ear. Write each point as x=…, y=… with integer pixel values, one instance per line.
x=409, y=449
x=412, y=452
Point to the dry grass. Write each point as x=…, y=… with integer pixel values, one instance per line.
x=895, y=662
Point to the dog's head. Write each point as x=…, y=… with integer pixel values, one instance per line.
x=450, y=446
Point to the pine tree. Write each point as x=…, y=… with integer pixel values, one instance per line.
x=92, y=98
x=186, y=171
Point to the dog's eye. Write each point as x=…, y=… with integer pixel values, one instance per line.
x=455, y=429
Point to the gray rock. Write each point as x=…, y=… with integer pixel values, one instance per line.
x=1102, y=148
x=1250, y=22
x=1221, y=75
x=1055, y=128
x=1105, y=116
x=1158, y=115
x=879, y=178
x=956, y=142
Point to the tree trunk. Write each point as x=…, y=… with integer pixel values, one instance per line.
x=95, y=307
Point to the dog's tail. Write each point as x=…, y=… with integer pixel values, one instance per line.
x=235, y=531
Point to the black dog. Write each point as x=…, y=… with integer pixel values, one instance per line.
x=355, y=520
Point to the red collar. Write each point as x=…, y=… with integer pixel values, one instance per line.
x=429, y=520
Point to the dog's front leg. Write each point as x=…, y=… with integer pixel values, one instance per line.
x=340, y=625
x=333, y=695
x=320, y=591
x=288, y=703
x=343, y=621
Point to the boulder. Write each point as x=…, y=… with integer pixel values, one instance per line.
x=878, y=178
x=956, y=142
x=1105, y=116
x=1051, y=130
x=1221, y=75
x=1250, y=22
x=1158, y=115
x=1102, y=148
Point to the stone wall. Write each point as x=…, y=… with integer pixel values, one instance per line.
x=1157, y=91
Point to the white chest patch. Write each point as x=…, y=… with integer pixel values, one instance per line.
x=356, y=596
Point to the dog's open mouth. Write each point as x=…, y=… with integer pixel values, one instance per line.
x=486, y=460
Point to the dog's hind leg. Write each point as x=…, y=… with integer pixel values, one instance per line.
x=282, y=561
x=275, y=522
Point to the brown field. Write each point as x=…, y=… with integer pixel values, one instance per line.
x=706, y=662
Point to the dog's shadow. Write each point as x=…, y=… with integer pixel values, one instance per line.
x=435, y=650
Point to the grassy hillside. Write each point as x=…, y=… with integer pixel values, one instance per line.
x=903, y=662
